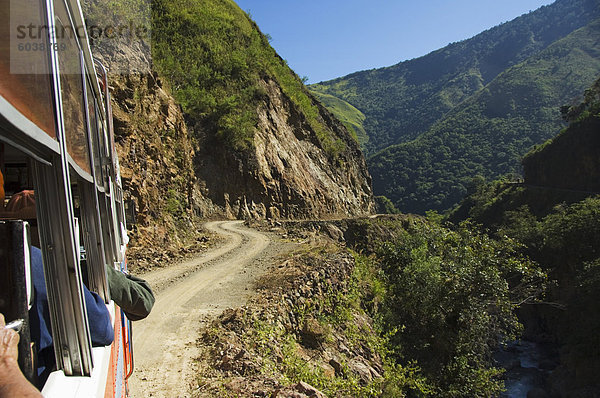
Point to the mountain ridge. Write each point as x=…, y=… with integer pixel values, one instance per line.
x=489, y=132
x=449, y=63
x=425, y=93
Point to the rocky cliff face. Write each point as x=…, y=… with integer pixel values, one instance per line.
x=286, y=174
x=175, y=175
x=177, y=171
x=156, y=159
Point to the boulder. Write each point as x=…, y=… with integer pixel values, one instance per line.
x=309, y=390
x=313, y=333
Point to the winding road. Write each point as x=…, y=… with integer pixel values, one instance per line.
x=188, y=295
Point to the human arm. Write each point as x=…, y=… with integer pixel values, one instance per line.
x=12, y=382
x=132, y=294
x=101, y=328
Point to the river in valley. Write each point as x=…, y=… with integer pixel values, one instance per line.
x=528, y=365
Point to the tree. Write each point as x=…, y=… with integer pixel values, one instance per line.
x=450, y=295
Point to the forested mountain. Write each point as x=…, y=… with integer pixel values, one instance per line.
x=488, y=133
x=352, y=118
x=473, y=107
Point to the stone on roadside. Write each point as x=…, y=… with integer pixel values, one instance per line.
x=308, y=390
x=313, y=333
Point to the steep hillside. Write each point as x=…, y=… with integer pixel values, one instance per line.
x=264, y=145
x=402, y=101
x=487, y=134
x=221, y=125
x=569, y=161
x=474, y=107
x=557, y=217
x=564, y=170
x=416, y=314
x=352, y=118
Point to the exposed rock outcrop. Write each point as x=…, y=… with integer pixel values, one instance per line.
x=173, y=180
x=176, y=171
x=287, y=174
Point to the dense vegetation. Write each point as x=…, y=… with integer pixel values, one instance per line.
x=214, y=57
x=560, y=230
x=474, y=107
x=565, y=243
x=576, y=146
x=445, y=299
x=423, y=304
x=488, y=133
x=565, y=169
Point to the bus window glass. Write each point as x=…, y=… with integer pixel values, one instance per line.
x=103, y=150
x=95, y=129
x=25, y=79
x=101, y=177
x=71, y=86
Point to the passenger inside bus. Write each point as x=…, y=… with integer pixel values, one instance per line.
x=101, y=329
x=132, y=294
x=12, y=381
x=22, y=206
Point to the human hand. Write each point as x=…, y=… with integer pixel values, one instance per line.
x=12, y=382
x=9, y=340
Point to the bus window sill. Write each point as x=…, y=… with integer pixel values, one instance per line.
x=59, y=385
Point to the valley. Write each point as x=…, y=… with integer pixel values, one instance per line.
x=473, y=108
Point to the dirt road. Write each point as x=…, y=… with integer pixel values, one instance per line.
x=187, y=295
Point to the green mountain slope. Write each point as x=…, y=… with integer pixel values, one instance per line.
x=571, y=160
x=218, y=125
x=564, y=170
x=486, y=134
x=352, y=118
x=402, y=101
x=215, y=56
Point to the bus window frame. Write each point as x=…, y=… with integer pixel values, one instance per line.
x=36, y=143
x=55, y=174
x=72, y=22
x=74, y=165
x=92, y=231
x=70, y=328
x=116, y=198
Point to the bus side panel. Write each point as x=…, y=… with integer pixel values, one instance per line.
x=115, y=382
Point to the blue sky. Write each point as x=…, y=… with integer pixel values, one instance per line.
x=325, y=39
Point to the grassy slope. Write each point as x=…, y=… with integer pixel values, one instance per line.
x=214, y=56
x=488, y=133
x=352, y=118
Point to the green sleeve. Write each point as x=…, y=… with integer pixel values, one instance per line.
x=132, y=294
